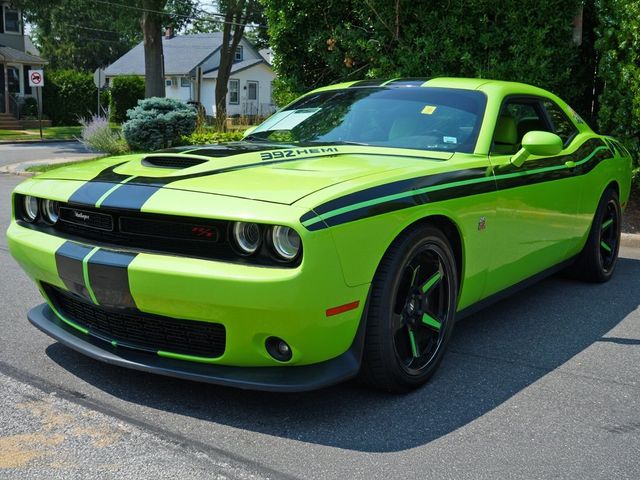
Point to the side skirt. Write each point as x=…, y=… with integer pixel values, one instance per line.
x=507, y=292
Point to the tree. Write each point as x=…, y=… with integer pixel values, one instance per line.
x=317, y=43
x=151, y=23
x=237, y=14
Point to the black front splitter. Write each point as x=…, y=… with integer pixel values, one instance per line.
x=275, y=379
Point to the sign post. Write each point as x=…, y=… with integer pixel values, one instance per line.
x=36, y=80
x=100, y=81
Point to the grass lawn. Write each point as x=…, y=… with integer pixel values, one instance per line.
x=49, y=133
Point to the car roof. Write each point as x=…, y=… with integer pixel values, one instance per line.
x=482, y=84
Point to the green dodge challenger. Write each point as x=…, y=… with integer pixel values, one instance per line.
x=343, y=236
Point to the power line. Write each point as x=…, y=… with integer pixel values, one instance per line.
x=162, y=12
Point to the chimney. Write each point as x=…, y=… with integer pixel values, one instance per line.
x=168, y=33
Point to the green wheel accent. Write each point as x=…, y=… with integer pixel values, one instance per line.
x=432, y=322
x=85, y=274
x=431, y=282
x=606, y=247
x=607, y=224
x=414, y=347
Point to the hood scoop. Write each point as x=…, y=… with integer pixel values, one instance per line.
x=175, y=162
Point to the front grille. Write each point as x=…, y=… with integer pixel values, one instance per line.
x=86, y=218
x=195, y=237
x=141, y=331
x=177, y=162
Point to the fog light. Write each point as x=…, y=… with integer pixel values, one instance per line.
x=278, y=349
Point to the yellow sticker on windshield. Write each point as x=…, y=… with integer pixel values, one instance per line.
x=428, y=109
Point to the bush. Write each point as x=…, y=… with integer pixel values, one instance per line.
x=124, y=94
x=68, y=95
x=97, y=135
x=158, y=123
x=206, y=138
x=30, y=108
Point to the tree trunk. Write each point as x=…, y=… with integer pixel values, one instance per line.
x=231, y=35
x=151, y=23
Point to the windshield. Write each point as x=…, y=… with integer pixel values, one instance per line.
x=442, y=119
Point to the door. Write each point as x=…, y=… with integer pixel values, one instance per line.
x=2, y=90
x=536, y=204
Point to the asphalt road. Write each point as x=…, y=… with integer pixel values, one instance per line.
x=23, y=152
x=542, y=385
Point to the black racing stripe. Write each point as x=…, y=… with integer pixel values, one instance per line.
x=130, y=197
x=69, y=265
x=90, y=192
x=456, y=191
x=368, y=83
x=109, y=278
x=407, y=82
x=401, y=186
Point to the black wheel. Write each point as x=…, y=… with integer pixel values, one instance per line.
x=411, y=311
x=598, y=259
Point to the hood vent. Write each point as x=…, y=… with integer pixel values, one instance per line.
x=172, y=161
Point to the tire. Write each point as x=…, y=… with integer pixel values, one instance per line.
x=599, y=257
x=411, y=311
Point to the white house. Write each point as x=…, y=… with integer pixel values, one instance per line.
x=15, y=62
x=249, y=84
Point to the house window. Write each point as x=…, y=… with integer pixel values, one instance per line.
x=185, y=82
x=234, y=92
x=25, y=76
x=252, y=90
x=168, y=82
x=11, y=20
x=239, y=55
x=13, y=79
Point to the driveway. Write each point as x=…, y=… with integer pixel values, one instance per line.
x=23, y=152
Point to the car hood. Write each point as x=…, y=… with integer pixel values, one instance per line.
x=248, y=170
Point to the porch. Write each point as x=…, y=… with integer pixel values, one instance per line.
x=14, y=84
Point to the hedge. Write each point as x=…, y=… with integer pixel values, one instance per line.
x=125, y=91
x=68, y=96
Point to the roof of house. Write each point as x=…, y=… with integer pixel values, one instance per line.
x=181, y=55
x=9, y=54
x=236, y=67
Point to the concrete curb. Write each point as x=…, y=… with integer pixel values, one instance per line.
x=21, y=168
x=45, y=140
x=630, y=240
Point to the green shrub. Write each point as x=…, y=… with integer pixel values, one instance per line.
x=124, y=93
x=68, y=96
x=30, y=108
x=158, y=123
x=98, y=135
x=206, y=138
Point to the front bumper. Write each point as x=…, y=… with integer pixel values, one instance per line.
x=277, y=379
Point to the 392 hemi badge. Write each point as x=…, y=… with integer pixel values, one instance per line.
x=292, y=153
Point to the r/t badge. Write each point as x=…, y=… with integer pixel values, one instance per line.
x=482, y=223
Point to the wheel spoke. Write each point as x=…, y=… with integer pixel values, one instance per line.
x=414, y=345
x=415, y=275
x=431, y=321
x=605, y=246
x=432, y=282
x=607, y=224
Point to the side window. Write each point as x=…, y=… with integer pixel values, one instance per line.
x=562, y=126
x=517, y=117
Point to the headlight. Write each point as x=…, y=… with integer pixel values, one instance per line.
x=30, y=208
x=50, y=211
x=286, y=242
x=247, y=237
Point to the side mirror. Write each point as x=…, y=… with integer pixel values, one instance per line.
x=537, y=143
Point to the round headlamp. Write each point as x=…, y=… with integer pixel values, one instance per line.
x=50, y=211
x=30, y=208
x=247, y=237
x=286, y=242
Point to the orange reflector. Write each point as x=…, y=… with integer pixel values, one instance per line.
x=342, y=308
